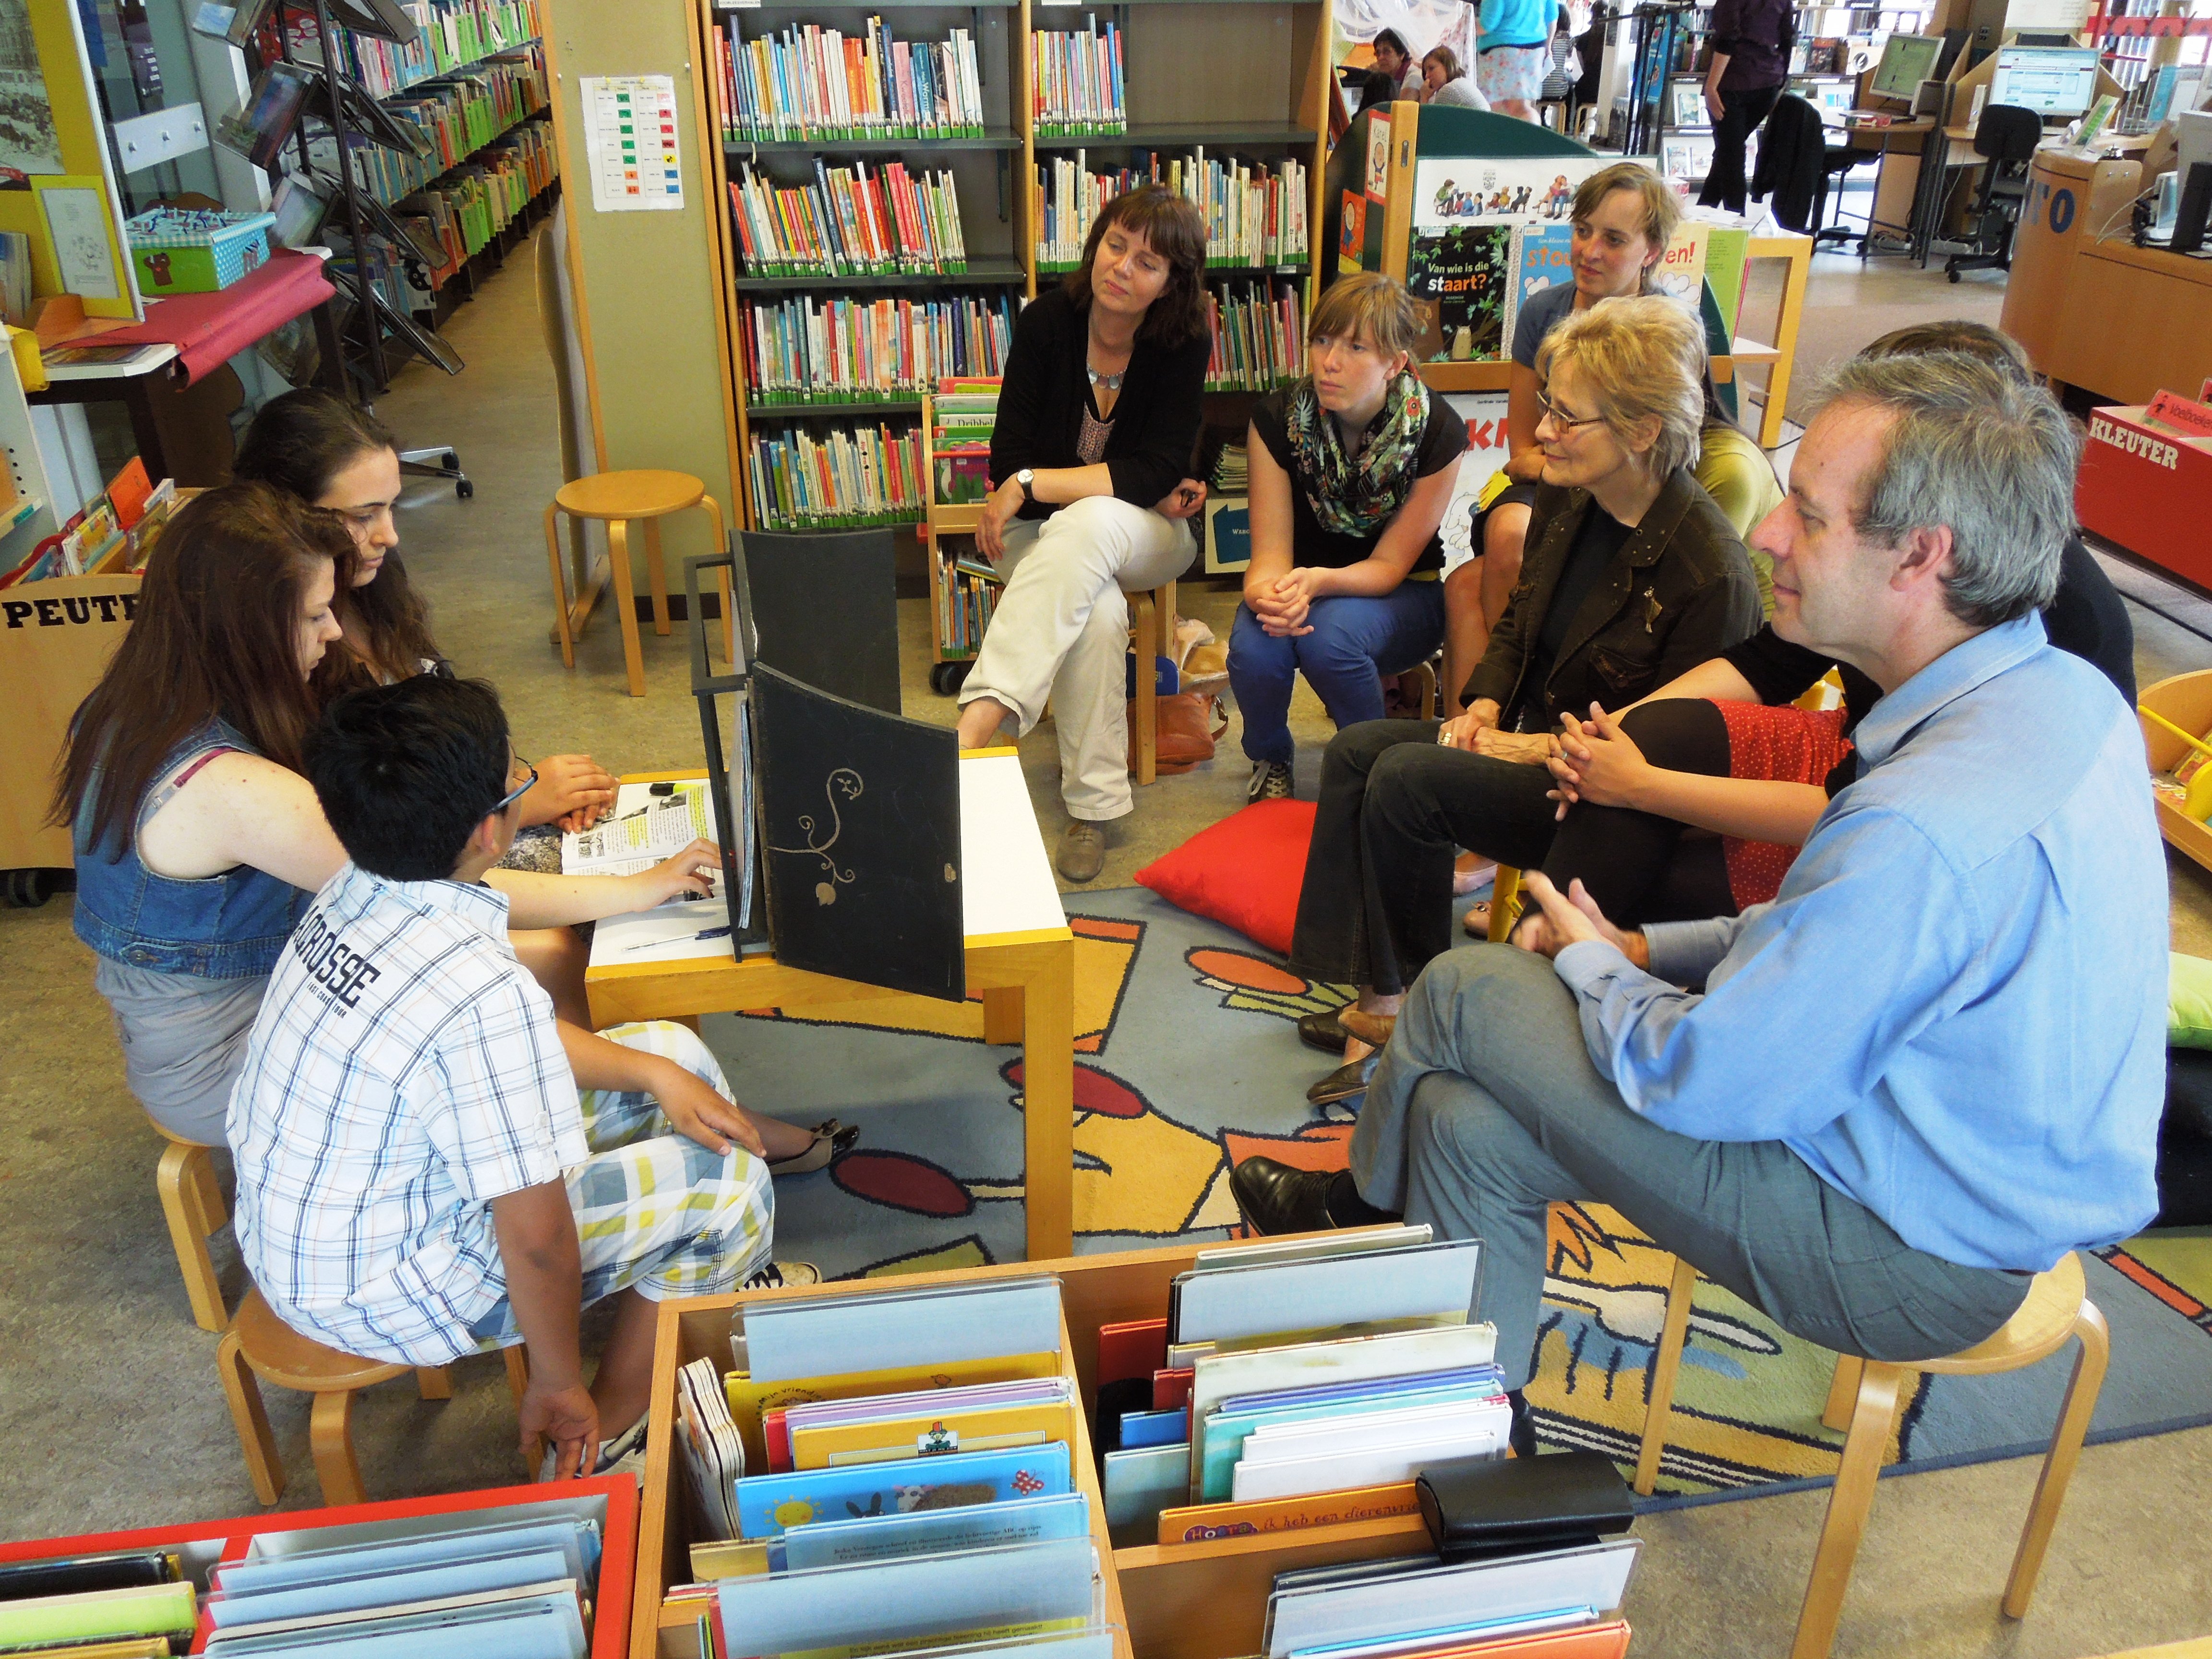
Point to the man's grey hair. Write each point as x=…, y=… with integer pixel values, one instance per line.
x=1977, y=452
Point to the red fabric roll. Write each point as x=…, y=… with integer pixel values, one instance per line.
x=209, y=328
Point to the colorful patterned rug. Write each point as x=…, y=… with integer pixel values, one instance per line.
x=1187, y=1062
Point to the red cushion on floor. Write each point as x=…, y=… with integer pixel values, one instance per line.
x=1244, y=872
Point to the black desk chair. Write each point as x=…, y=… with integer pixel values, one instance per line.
x=2006, y=138
x=1837, y=160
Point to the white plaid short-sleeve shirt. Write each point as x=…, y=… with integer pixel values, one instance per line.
x=404, y=1072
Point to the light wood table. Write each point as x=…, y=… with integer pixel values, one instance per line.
x=1021, y=956
x=2133, y=322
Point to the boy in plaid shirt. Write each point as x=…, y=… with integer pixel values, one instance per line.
x=418, y=1177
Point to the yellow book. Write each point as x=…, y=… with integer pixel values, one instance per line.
x=922, y=1436
x=138, y=1647
x=1198, y=1522
x=748, y=1399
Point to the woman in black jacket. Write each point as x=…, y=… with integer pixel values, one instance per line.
x=1097, y=427
x=1632, y=576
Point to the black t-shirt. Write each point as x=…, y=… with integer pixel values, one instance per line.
x=1444, y=442
x=1600, y=538
x=2086, y=616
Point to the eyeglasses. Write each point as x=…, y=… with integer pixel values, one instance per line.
x=1559, y=418
x=520, y=790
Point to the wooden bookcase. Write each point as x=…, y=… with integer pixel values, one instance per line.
x=1249, y=78
x=1202, y=1601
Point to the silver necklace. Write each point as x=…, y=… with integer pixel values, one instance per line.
x=1111, y=382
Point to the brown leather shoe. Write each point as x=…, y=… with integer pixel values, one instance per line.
x=1082, y=852
x=1374, y=1030
x=1321, y=1031
x=1347, y=1082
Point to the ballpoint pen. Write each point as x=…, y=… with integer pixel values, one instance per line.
x=723, y=932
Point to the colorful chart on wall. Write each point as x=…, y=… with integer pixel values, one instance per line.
x=28, y=142
x=629, y=142
x=1463, y=190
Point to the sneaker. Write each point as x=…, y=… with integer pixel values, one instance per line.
x=780, y=1275
x=1082, y=852
x=623, y=1454
x=1271, y=780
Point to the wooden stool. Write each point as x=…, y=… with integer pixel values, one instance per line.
x=1864, y=1397
x=618, y=498
x=1154, y=615
x=259, y=1345
x=192, y=1199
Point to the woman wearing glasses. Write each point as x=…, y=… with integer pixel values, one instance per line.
x=1632, y=575
x=199, y=842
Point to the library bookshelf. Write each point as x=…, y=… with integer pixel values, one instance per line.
x=1242, y=79
x=1194, y=1600
x=200, y=1545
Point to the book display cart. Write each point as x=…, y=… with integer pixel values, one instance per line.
x=612, y=1501
x=432, y=158
x=1196, y=1601
x=1418, y=133
x=1243, y=81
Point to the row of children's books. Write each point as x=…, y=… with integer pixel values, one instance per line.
x=803, y=351
x=110, y=535
x=463, y=1583
x=968, y=593
x=1259, y=337
x=453, y=34
x=1076, y=86
x=473, y=203
x=458, y=117
x=1255, y=214
x=808, y=81
x=898, y=1468
x=848, y=221
x=840, y=479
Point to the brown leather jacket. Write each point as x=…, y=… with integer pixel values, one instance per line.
x=1679, y=591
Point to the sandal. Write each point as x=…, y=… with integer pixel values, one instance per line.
x=831, y=1139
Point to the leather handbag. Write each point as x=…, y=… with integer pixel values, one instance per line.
x=1189, y=723
x=1478, y=1507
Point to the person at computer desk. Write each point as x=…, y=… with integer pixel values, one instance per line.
x=1750, y=64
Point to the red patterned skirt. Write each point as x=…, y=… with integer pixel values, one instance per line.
x=1786, y=745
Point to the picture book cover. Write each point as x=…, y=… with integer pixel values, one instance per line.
x=1457, y=278
x=769, y=1504
x=1681, y=274
x=1543, y=257
x=1198, y=1523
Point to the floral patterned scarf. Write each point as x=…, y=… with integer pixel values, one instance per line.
x=1357, y=497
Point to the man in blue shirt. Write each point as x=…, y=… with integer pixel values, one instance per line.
x=1934, y=1064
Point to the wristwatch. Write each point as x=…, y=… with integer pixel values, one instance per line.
x=1025, y=477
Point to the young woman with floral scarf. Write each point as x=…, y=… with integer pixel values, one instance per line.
x=1350, y=472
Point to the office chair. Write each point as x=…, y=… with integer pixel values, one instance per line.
x=2006, y=138
x=1796, y=160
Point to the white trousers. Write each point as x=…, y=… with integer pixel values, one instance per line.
x=1062, y=633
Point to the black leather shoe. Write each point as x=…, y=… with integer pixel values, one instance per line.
x=1344, y=1083
x=1278, y=1199
x=1321, y=1031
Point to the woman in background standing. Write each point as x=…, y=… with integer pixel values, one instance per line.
x=1513, y=53
x=1751, y=62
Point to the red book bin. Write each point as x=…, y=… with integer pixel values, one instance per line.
x=2148, y=489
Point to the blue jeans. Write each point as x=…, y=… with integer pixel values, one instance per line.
x=1355, y=641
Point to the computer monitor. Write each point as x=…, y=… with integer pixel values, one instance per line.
x=1906, y=61
x=2057, y=83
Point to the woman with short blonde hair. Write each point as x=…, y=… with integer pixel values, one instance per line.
x=1632, y=575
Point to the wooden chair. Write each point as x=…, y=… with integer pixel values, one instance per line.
x=192, y=1199
x=260, y=1346
x=618, y=499
x=1153, y=616
x=1862, y=1398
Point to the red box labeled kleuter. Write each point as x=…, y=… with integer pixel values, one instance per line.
x=2148, y=489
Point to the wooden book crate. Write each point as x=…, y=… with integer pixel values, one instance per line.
x=1203, y=1600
